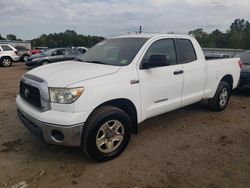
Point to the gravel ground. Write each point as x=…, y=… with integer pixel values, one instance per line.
x=190, y=147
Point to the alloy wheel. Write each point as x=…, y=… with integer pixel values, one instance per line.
x=110, y=136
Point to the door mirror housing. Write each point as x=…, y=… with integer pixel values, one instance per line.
x=156, y=61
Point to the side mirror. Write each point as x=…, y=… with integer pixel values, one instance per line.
x=156, y=61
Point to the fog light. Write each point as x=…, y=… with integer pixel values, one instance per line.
x=57, y=136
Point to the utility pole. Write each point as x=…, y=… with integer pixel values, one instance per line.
x=140, y=30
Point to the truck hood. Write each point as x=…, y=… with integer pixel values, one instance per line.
x=68, y=72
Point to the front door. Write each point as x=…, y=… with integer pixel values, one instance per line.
x=161, y=87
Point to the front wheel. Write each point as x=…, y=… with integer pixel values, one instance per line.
x=106, y=133
x=221, y=98
x=6, y=62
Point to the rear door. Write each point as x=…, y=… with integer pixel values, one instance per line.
x=161, y=87
x=195, y=75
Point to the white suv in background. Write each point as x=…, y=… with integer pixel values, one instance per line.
x=8, y=54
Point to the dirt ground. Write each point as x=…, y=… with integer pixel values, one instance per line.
x=190, y=147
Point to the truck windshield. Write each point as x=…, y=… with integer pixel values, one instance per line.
x=117, y=51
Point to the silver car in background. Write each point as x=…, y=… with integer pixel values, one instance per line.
x=23, y=53
x=8, y=54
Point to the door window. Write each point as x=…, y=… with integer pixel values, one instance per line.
x=6, y=48
x=61, y=52
x=21, y=48
x=163, y=47
x=58, y=52
x=72, y=52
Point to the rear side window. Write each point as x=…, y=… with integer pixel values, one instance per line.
x=6, y=48
x=21, y=48
x=187, y=51
x=72, y=52
x=81, y=50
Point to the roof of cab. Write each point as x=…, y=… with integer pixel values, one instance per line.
x=153, y=35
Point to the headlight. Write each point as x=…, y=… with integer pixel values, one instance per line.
x=65, y=95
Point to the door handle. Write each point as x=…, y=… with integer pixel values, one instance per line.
x=178, y=72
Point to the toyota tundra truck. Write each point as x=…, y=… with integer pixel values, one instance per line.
x=98, y=100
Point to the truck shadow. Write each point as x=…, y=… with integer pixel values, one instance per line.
x=242, y=92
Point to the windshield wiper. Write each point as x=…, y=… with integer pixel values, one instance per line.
x=97, y=62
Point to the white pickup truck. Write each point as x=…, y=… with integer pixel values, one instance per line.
x=97, y=101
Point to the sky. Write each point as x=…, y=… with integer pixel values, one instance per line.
x=28, y=19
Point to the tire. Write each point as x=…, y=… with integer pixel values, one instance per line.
x=105, y=126
x=221, y=98
x=24, y=58
x=6, y=62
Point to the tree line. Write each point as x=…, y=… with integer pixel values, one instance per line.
x=10, y=37
x=68, y=38
x=237, y=36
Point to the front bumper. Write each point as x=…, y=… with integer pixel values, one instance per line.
x=69, y=135
x=16, y=58
x=32, y=64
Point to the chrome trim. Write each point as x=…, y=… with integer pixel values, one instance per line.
x=162, y=100
x=42, y=85
x=32, y=77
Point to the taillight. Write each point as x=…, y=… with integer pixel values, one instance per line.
x=240, y=64
x=16, y=52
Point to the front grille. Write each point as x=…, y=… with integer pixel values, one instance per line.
x=30, y=94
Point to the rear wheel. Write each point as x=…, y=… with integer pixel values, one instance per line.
x=221, y=98
x=6, y=62
x=106, y=133
x=24, y=58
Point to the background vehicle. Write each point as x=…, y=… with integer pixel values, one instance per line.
x=216, y=56
x=82, y=49
x=8, y=54
x=51, y=56
x=245, y=71
x=39, y=50
x=98, y=102
x=23, y=52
